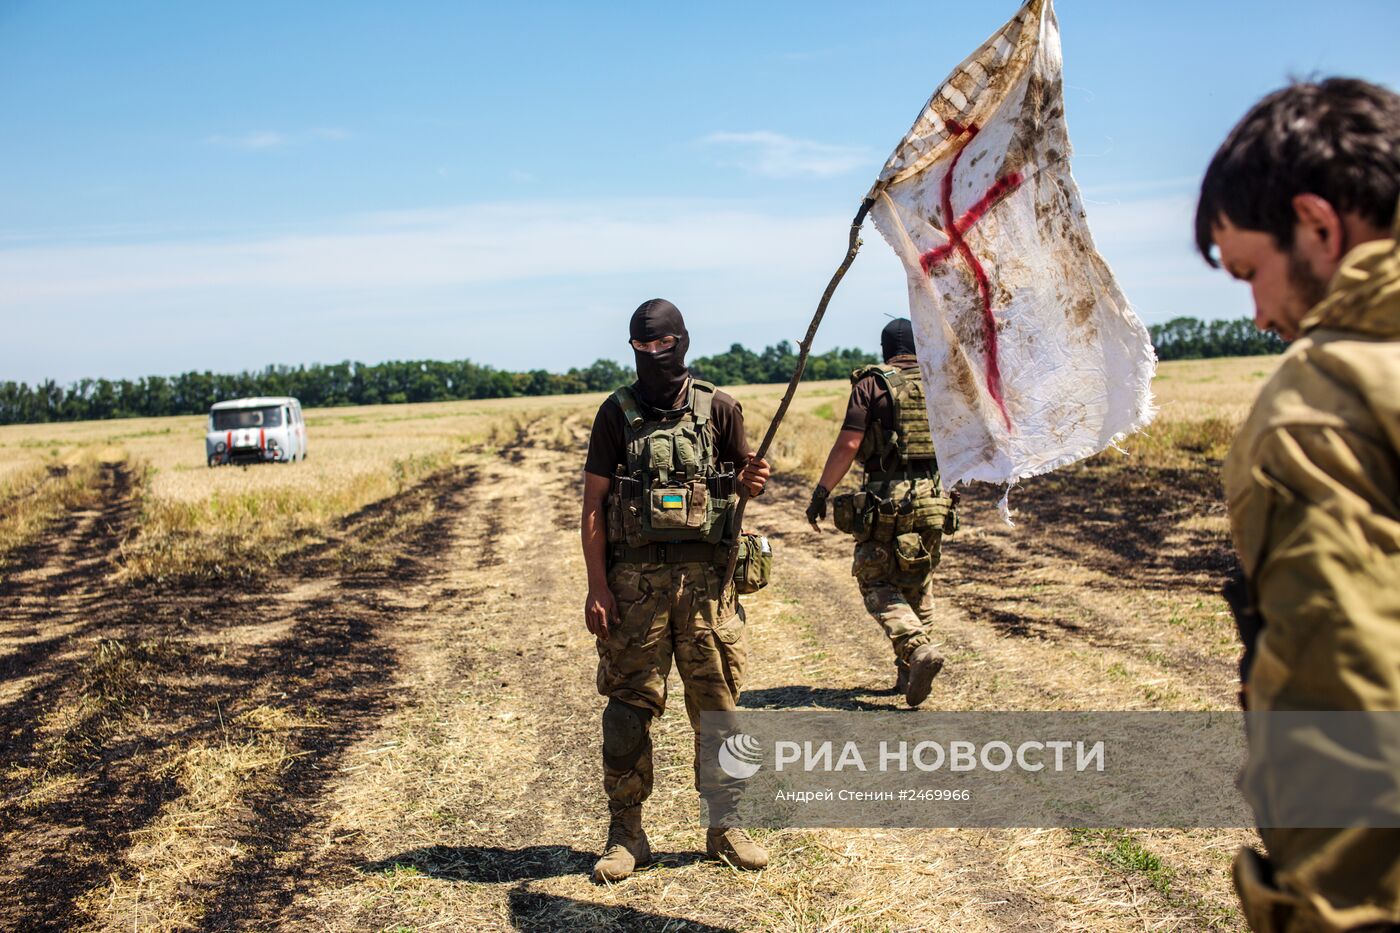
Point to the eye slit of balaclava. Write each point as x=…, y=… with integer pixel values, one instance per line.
x=662, y=375
x=897, y=339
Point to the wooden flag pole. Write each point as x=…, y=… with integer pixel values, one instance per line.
x=804, y=350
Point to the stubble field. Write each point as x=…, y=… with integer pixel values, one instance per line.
x=356, y=693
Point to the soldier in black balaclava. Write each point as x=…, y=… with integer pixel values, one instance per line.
x=656, y=541
x=659, y=342
x=886, y=428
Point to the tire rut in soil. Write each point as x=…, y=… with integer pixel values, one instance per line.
x=523, y=601
x=332, y=659
x=97, y=529
x=348, y=625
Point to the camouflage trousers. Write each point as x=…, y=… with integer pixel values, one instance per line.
x=901, y=601
x=667, y=611
x=1321, y=881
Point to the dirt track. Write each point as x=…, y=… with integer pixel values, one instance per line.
x=435, y=722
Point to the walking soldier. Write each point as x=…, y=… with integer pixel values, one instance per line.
x=900, y=515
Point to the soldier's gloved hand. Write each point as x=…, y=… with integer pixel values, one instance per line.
x=600, y=612
x=816, y=509
x=755, y=476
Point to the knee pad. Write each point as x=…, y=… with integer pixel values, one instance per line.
x=626, y=732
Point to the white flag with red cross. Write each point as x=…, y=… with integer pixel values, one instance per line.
x=1031, y=356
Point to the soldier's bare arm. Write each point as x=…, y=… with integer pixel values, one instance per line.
x=838, y=464
x=599, y=609
x=843, y=454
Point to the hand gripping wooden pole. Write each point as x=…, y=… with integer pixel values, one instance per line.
x=804, y=350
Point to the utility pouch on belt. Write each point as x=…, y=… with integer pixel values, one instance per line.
x=885, y=519
x=755, y=564
x=937, y=513
x=854, y=513
x=910, y=553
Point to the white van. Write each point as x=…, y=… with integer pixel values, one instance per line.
x=255, y=430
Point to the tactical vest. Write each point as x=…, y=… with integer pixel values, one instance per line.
x=908, y=449
x=673, y=500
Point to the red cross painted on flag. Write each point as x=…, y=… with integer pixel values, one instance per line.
x=955, y=231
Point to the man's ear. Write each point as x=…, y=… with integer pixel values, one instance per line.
x=1318, y=230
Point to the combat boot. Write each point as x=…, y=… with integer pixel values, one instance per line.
x=924, y=665
x=733, y=845
x=627, y=848
x=901, y=677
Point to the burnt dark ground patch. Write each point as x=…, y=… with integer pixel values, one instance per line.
x=333, y=661
x=1130, y=525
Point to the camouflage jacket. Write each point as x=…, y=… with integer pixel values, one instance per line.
x=1313, y=485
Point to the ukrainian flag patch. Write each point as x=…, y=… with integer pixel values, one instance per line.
x=672, y=501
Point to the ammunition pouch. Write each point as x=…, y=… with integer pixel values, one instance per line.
x=643, y=510
x=672, y=500
x=679, y=507
x=868, y=515
x=755, y=564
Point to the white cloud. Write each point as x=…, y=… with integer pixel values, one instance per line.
x=526, y=283
x=258, y=139
x=274, y=139
x=473, y=280
x=777, y=156
x=491, y=243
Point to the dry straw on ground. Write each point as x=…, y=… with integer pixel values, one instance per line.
x=397, y=729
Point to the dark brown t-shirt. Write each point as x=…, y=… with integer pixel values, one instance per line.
x=870, y=403
x=607, y=445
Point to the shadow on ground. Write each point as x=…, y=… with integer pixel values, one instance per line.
x=534, y=912
x=802, y=696
x=496, y=865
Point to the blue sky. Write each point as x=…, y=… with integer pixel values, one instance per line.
x=222, y=186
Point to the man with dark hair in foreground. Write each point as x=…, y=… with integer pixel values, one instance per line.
x=1300, y=202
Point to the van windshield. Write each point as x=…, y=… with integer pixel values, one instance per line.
x=231, y=419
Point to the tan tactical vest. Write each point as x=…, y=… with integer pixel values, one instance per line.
x=909, y=447
x=673, y=500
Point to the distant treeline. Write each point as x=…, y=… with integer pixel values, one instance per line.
x=325, y=385
x=1186, y=338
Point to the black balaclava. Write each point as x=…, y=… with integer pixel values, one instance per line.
x=661, y=375
x=897, y=339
